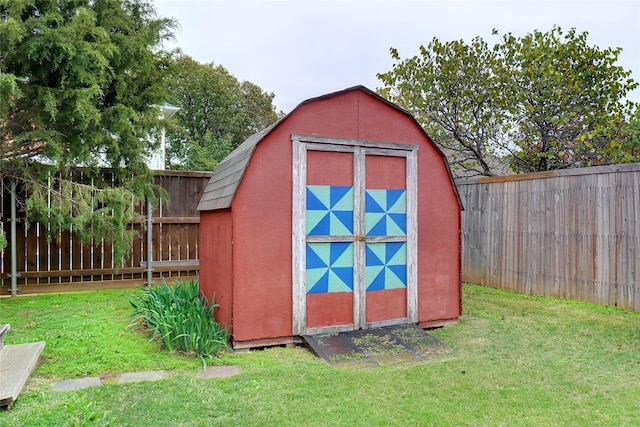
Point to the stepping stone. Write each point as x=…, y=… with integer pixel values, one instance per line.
x=76, y=384
x=217, y=372
x=135, y=377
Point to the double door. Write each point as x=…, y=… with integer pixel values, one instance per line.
x=354, y=234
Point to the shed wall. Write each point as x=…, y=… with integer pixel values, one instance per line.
x=262, y=244
x=216, y=241
x=439, y=272
x=262, y=220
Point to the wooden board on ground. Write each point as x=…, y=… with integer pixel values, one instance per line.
x=374, y=347
x=16, y=364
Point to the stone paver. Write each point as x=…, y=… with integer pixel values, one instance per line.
x=134, y=377
x=130, y=377
x=76, y=384
x=217, y=372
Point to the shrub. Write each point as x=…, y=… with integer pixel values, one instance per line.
x=181, y=318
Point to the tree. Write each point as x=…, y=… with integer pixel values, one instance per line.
x=453, y=92
x=624, y=145
x=80, y=82
x=540, y=102
x=217, y=113
x=566, y=100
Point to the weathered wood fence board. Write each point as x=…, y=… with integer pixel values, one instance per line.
x=175, y=224
x=571, y=234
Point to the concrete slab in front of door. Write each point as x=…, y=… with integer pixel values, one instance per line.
x=374, y=347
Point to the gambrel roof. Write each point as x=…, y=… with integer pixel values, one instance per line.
x=228, y=173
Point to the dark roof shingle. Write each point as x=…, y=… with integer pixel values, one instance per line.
x=228, y=173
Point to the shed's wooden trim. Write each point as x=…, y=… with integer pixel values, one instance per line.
x=330, y=329
x=334, y=148
x=301, y=145
x=327, y=239
x=353, y=142
x=412, y=236
x=359, y=246
x=389, y=322
x=298, y=235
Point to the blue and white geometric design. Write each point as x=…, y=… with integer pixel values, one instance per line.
x=386, y=266
x=329, y=210
x=385, y=212
x=329, y=267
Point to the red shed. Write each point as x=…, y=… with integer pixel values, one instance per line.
x=342, y=215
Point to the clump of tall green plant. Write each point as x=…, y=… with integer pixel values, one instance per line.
x=181, y=318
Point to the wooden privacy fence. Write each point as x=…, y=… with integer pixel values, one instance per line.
x=64, y=260
x=571, y=233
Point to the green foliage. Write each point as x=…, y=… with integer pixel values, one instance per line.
x=80, y=82
x=93, y=213
x=566, y=99
x=452, y=89
x=217, y=113
x=205, y=157
x=180, y=317
x=544, y=101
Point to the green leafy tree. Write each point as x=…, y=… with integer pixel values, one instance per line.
x=80, y=82
x=540, y=102
x=453, y=92
x=566, y=100
x=624, y=145
x=217, y=113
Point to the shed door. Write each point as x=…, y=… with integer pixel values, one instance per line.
x=354, y=235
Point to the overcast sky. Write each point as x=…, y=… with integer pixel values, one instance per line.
x=299, y=49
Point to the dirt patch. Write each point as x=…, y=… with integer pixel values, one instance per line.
x=111, y=376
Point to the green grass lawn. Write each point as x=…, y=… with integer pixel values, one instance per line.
x=515, y=360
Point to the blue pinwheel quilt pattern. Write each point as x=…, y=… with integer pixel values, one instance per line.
x=385, y=212
x=386, y=266
x=329, y=264
x=329, y=210
x=329, y=267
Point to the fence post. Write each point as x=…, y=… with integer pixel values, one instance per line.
x=149, y=242
x=14, y=250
